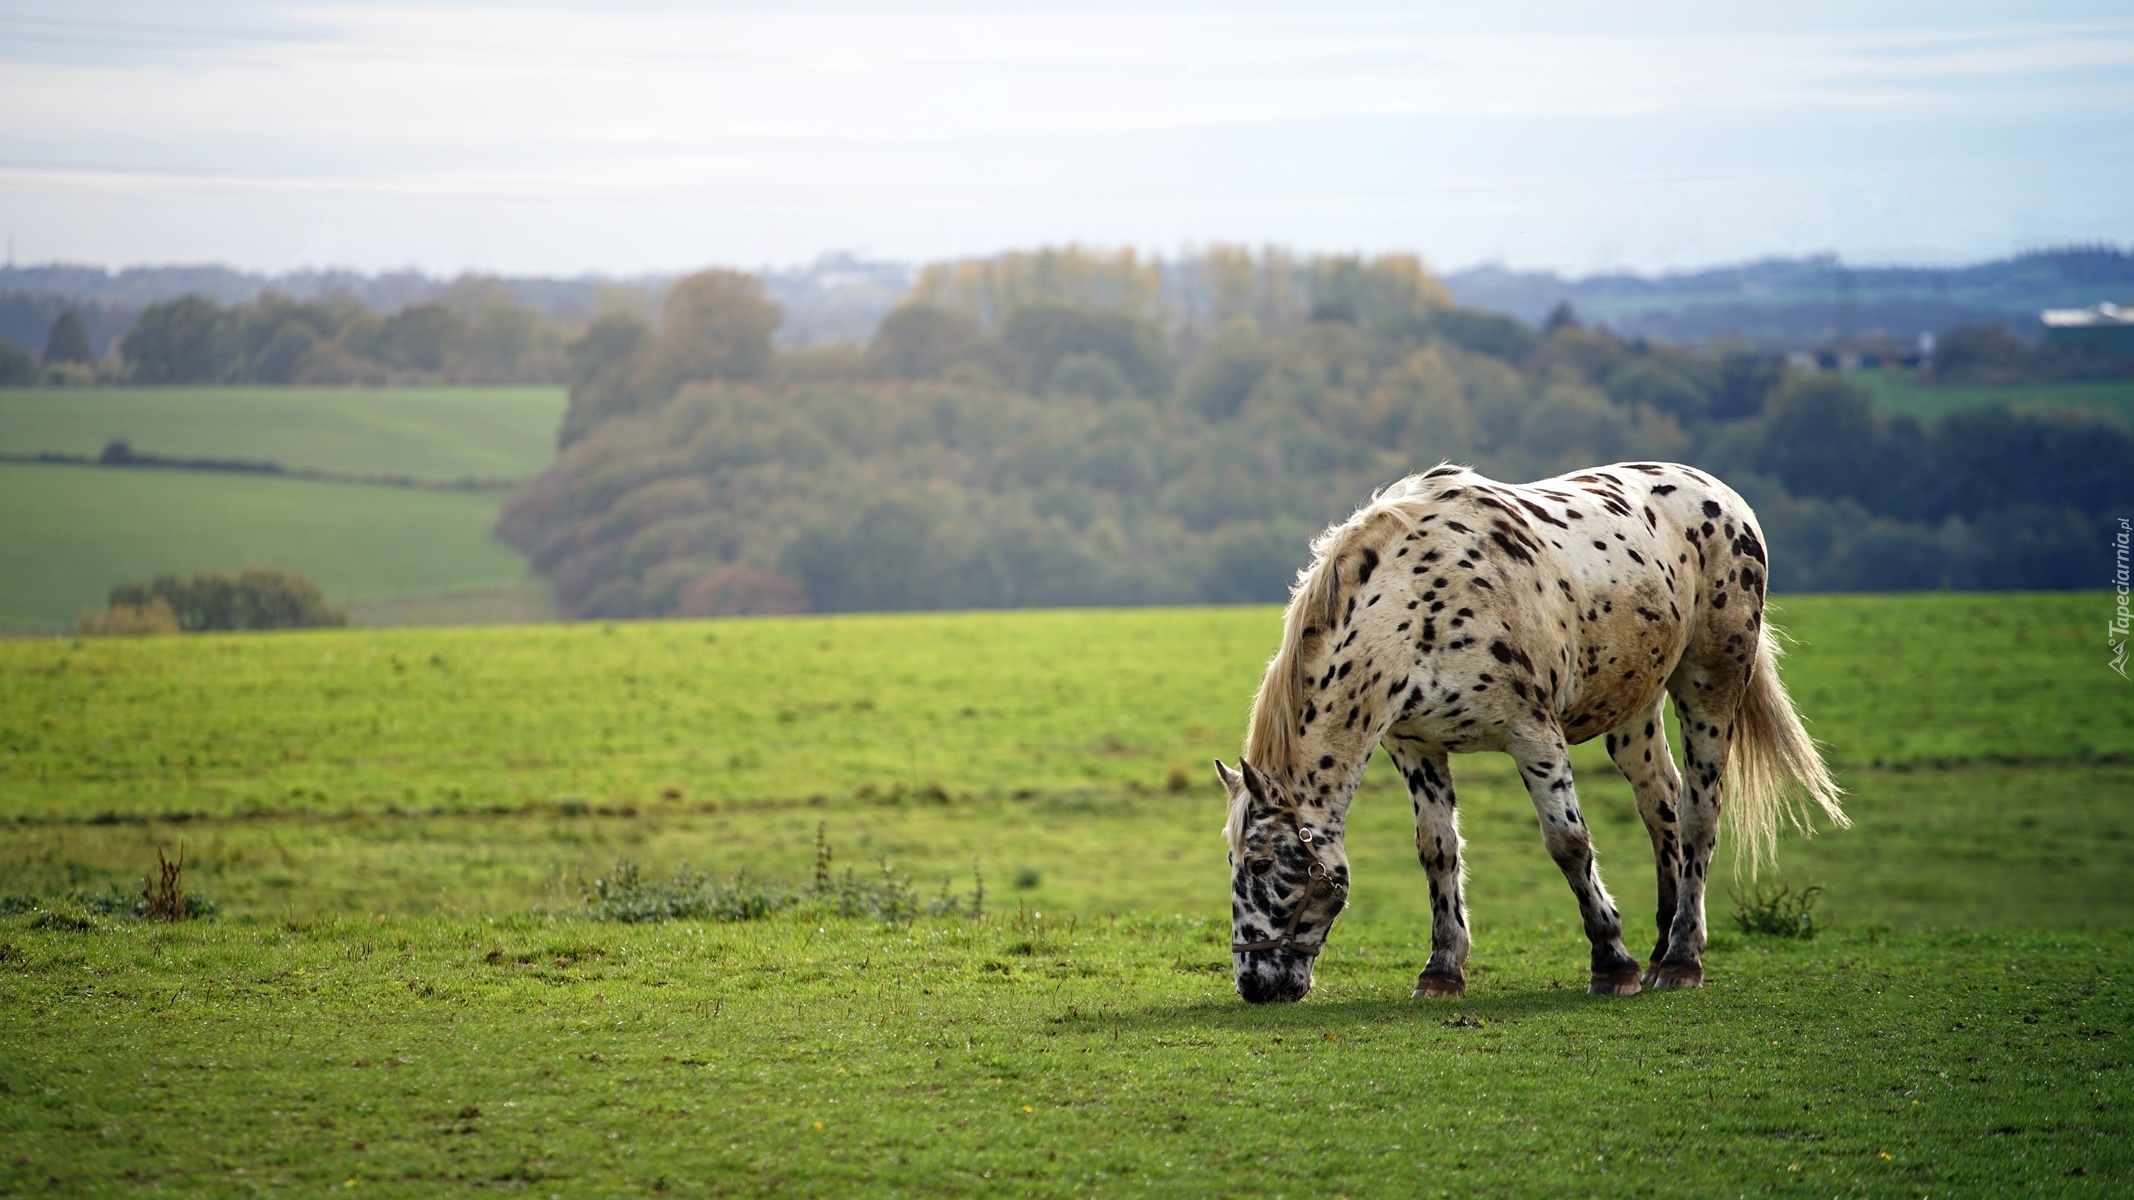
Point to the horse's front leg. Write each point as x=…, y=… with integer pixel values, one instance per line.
x=1437, y=844
x=1545, y=763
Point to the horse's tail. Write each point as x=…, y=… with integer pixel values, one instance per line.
x=1773, y=768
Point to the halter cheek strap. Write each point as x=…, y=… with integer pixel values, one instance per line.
x=1316, y=880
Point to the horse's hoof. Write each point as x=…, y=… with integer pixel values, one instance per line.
x=1662, y=976
x=1427, y=985
x=1615, y=983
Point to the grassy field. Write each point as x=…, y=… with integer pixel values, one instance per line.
x=70, y=533
x=1017, y=1057
x=961, y=705
x=403, y=990
x=1899, y=391
x=425, y=433
x=392, y=555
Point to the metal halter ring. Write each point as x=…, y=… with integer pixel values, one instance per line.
x=1315, y=878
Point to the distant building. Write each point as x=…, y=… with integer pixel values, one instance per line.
x=2106, y=327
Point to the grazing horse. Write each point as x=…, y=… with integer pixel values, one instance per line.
x=1455, y=614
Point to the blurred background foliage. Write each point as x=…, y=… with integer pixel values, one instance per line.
x=1074, y=427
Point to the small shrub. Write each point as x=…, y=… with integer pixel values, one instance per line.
x=1777, y=910
x=151, y=619
x=256, y=598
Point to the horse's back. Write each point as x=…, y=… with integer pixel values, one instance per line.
x=1580, y=595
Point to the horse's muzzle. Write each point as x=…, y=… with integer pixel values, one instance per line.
x=1272, y=976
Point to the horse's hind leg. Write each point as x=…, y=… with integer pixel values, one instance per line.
x=1545, y=764
x=1706, y=702
x=1639, y=748
x=1437, y=844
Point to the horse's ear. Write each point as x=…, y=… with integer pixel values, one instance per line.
x=1257, y=784
x=1233, y=783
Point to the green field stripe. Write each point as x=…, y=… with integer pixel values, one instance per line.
x=71, y=533
x=1902, y=392
x=785, y=709
x=426, y=433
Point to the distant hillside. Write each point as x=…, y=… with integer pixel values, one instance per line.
x=1803, y=302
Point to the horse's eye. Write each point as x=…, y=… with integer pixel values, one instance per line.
x=1260, y=866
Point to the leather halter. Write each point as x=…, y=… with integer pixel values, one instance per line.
x=1316, y=879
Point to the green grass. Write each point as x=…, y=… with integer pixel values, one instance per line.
x=1898, y=391
x=1055, y=703
x=426, y=433
x=400, y=996
x=2035, y=846
x=1025, y=1057
x=70, y=533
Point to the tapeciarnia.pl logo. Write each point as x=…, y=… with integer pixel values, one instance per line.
x=2122, y=620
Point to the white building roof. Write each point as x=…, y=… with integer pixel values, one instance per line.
x=2106, y=314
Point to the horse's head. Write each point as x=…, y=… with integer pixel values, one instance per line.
x=1289, y=879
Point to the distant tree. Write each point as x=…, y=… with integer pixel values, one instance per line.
x=1035, y=337
x=713, y=325
x=1821, y=437
x=1483, y=333
x=1349, y=289
x=422, y=336
x=1747, y=378
x=1592, y=355
x=1983, y=353
x=921, y=341
x=1656, y=385
x=1560, y=317
x=17, y=368
x=178, y=341
x=739, y=591
x=1088, y=375
x=606, y=344
x=889, y=560
x=1228, y=367
x=282, y=359
x=68, y=342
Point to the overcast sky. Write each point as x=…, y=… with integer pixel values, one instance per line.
x=549, y=138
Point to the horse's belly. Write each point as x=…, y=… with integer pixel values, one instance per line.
x=1622, y=662
x=1605, y=705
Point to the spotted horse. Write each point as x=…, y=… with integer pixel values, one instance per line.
x=1454, y=614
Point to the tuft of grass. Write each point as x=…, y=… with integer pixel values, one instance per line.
x=1774, y=908
x=163, y=894
x=625, y=895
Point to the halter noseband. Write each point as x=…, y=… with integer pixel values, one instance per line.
x=1316, y=879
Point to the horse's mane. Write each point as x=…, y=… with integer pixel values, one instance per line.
x=1314, y=611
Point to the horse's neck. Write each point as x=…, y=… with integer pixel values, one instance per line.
x=1325, y=793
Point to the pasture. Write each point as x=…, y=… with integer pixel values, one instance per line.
x=1900, y=391
x=393, y=555
x=423, y=433
x=401, y=990
x=73, y=532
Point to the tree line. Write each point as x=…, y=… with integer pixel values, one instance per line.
x=476, y=334
x=1061, y=428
